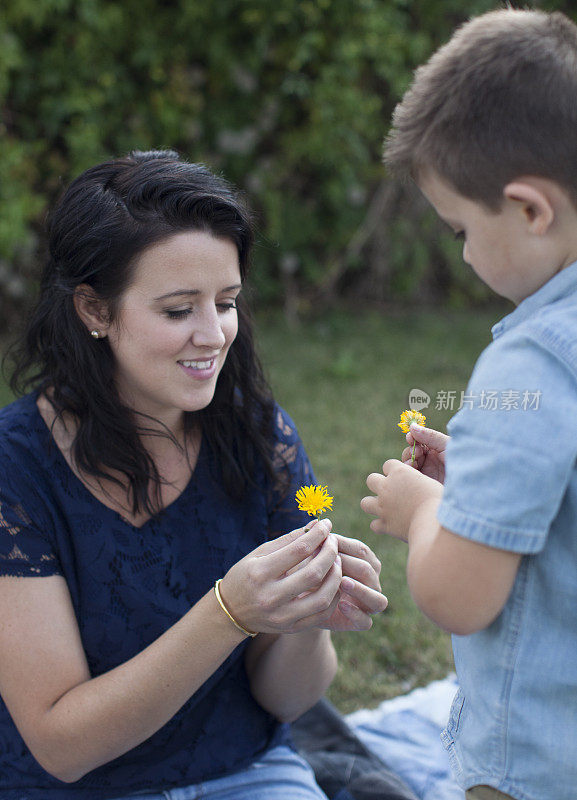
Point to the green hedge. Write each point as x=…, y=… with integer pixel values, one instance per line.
x=289, y=99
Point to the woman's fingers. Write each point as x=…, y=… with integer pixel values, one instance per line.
x=310, y=577
x=315, y=608
x=360, y=570
x=368, y=600
x=299, y=580
x=297, y=547
x=281, y=541
x=359, y=620
x=358, y=550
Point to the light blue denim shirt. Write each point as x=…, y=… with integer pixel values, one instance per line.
x=511, y=483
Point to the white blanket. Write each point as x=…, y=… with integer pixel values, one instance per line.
x=405, y=733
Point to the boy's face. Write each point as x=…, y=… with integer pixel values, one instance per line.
x=496, y=245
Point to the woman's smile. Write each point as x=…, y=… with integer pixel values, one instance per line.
x=201, y=274
x=200, y=370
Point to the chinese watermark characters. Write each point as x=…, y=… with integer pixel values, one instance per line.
x=487, y=399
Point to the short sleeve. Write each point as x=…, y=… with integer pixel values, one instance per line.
x=25, y=551
x=293, y=470
x=511, y=455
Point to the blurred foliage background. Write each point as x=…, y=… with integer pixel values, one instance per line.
x=289, y=99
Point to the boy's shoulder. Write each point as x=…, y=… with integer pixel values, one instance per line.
x=532, y=356
x=554, y=330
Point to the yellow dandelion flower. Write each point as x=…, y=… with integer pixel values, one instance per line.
x=314, y=500
x=408, y=417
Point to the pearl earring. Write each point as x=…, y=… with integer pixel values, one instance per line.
x=95, y=333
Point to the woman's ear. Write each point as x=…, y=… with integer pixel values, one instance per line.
x=92, y=310
x=535, y=204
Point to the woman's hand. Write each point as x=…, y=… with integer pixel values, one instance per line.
x=430, y=448
x=266, y=594
x=361, y=595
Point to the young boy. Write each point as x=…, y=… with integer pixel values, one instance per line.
x=488, y=131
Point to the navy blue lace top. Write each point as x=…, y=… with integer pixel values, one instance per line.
x=128, y=585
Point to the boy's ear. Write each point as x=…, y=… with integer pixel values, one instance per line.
x=534, y=203
x=91, y=309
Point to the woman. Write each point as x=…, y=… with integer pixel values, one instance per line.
x=148, y=463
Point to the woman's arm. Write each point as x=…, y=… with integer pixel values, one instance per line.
x=73, y=723
x=288, y=673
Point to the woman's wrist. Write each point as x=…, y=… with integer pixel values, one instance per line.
x=228, y=614
x=222, y=621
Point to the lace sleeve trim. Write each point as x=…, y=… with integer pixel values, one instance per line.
x=285, y=455
x=16, y=562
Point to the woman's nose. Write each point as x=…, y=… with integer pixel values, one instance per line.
x=208, y=331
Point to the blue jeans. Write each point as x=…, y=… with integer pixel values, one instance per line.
x=280, y=774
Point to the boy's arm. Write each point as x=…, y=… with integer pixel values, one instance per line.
x=461, y=585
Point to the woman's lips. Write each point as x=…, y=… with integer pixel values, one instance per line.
x=200, y=369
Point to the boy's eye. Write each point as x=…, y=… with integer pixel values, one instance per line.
x=459, y=235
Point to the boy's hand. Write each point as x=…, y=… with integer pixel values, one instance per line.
x=401, y=493
x=429, y=451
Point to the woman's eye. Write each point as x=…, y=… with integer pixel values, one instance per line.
x=459, y=235
x=226, y=306
x=177, y=313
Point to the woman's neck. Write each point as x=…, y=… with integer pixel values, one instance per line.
x=174, y=454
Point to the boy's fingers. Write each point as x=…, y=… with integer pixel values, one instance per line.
x=429, y=437
x=370, y=505
x=375, y=481
x=379, y=527
x=388, y=467
x=407, y=455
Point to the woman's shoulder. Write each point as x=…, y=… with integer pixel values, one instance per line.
x=284, y=427
x=20, y=431
x=288, y=449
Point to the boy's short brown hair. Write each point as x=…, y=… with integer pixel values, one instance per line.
x=497, y=102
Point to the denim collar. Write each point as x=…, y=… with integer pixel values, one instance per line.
x=561, y=285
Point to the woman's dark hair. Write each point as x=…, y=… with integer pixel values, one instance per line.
x=108, y=216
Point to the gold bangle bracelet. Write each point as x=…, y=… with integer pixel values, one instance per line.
x=227, y=612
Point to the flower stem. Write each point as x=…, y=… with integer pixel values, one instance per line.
x=413, y=454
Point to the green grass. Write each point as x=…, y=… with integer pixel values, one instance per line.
x=344, y=379
x=5, y=395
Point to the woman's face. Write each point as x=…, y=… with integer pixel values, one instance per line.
x=175, y=324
